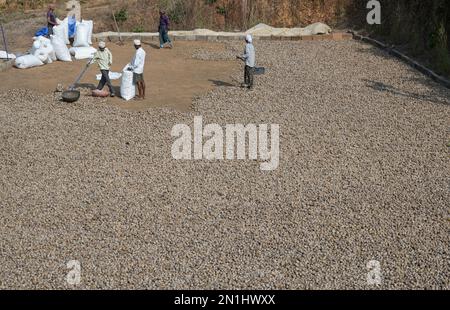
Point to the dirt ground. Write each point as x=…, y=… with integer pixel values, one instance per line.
x=172, y=77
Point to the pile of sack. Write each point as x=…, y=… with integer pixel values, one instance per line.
x=46, y=51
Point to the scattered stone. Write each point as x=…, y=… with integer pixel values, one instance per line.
x=59, y=88
x=363, y=176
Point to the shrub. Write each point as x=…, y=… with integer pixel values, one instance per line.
x=121, y=15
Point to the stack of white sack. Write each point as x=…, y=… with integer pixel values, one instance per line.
x=82, y=48
x=4, y=55
x=83, y=32
x=43, y=49
x=61, y=50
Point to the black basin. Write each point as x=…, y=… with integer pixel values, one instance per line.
x=70, y=95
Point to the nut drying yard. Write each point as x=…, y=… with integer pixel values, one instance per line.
x=364, y=175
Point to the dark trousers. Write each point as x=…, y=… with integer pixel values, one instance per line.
x=105, y=80
x=248, y=76
x=163, y=36
x=50, y=30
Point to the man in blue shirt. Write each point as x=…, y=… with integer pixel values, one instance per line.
x=51, y=19
x=163, y=29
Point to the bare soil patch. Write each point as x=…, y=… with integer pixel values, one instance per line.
x=172, y=76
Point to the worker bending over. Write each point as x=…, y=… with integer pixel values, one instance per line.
x=250, y=58
x=104, y=59
x=137, y=66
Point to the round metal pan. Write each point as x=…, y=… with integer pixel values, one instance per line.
x=70, y=96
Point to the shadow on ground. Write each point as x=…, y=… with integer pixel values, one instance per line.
x=221, y=83
x=86, y=85
x=382, y=87
x=152, y=45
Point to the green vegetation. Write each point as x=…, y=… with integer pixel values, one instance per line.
x=121, y=15
x=177, y=13
x=420, y=27
x=221, y=10
x=138, y=29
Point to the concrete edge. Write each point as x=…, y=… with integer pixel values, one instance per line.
x=392, y=51
x=5, y=65
x=115, y=37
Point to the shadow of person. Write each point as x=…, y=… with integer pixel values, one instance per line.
x=152, y=45
x=86, y=85
x=429, y=97
x=221, y=83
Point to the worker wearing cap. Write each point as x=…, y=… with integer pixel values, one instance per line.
x=104, y=59
x=250, y=59
x=137, y=66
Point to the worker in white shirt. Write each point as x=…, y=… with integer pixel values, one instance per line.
x=137, y=66
x=249, y=58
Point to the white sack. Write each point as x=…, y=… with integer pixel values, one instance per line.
x=127, y=87
x=27, y=61
x=43, y=57
x=82, y=52
x=90, y=25
x=43, y=44
x=60, y=32
x=42, y=39
x=43, y=49
x=3, y=55
x=112, y=76
x=63, y=30
x=38, y=42
x=61, y=51
x=47, y=48
x=38, y=52
x=36, y=45
x=82, y=36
